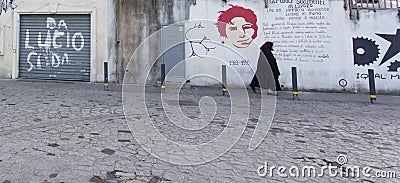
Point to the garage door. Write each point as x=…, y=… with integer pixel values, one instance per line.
x=55, y=47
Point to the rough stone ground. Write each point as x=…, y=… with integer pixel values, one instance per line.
x=76, y=132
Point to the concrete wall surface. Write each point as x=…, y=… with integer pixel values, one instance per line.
x=136, y=21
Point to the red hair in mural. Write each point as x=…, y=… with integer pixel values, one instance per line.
x=233, y=12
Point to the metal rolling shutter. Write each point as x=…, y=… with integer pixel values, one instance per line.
x=55, y=47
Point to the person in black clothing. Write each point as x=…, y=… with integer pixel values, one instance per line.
x=266, y=49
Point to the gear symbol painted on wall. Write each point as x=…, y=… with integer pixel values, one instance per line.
x=394, y=66
x=365, y=51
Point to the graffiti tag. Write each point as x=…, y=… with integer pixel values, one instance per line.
x=45, y=51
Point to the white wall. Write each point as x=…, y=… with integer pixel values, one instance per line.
x=101, y=45
x=317, y=40
x=6, y=41
x=370, y=24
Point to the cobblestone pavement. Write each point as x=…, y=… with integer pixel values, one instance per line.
x=76, y=132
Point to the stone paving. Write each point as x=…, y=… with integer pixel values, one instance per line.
x=77, y=132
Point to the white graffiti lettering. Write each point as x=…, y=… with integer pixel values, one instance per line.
x=57, y=60
x=62, y=24
x=48, y=45
x=65, y=59
x=29, y=61
x=27, y=41
x=38, y=62
x=56, y=35
x=82, y=41
x=51, y=23
x=68, y=40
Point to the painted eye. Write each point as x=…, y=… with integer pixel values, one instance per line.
x=233, y=28
x=247, y=26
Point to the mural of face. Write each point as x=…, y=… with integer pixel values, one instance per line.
x=240, y=32
x=238, y=25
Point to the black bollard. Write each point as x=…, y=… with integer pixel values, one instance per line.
x=294, y=84
x=163, y=76
x=372, y=91
x=105, y=76
x=224, y=89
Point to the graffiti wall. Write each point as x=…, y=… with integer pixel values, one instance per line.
x=376, y=45
x=68, y=40
x=55, y=46
x=50, y=46
x=211, y=45
x=330, y=50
